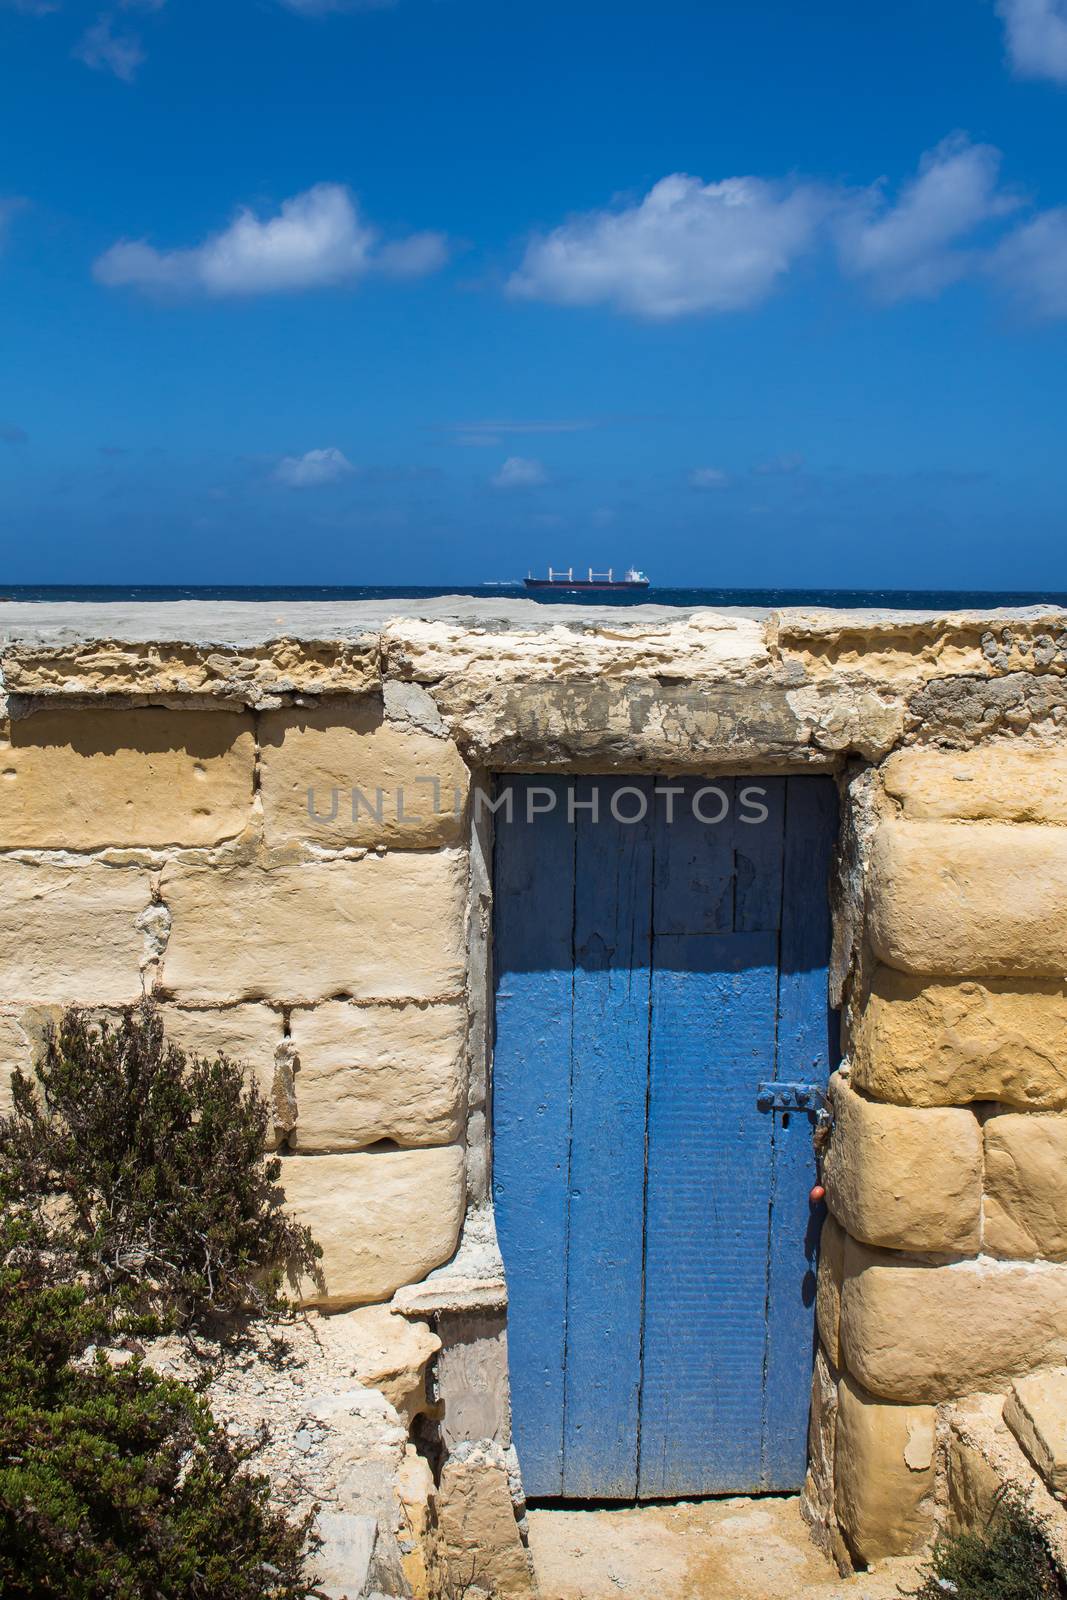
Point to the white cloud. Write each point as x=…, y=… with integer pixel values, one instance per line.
x=101, y=48
x=32, y=8
x=519, y=473
x=1036, y=32
x=708, y=478
x=1032, y=264
x=318, y=238
x=313, y=469
x=686, y=247
x=916, y=247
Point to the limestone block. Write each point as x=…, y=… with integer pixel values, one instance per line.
x=927, y=1044
x=975, y=1479
x=828, y=1287
x=345, y=775
x=969, y=900
x=1026, y=1186
x=704, y=645
x=1036, y=1412
x=383, y=1219
x=822, y=1432
x=388, y=1353
x=472, y=1373
x=347, y=1545
x=15, y=1051
x=1009, y=782
x=420, y=1556
x=913, y=1331
x=245, y=669
x=250, y=1035
x=884, y=1474
x=389, y=928
x=80, y=780
x=984, y=1459
x=69, y=934
x=478, y=1525
x=378, y=1072
x=904, y=1178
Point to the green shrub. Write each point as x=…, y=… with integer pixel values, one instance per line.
x=1008, y=1560
x=146, y=1171
x=116, y=1484
x=136, y=1195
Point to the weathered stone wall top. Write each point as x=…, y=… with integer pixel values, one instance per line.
x=516, y=683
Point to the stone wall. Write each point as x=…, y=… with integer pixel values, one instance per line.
x=267, y=818
x=173, y=851
x=944, y=1270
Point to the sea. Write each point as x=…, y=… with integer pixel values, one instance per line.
x=888, y=599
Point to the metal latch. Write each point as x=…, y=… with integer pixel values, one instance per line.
x=790, y=1097
x=809, y=1097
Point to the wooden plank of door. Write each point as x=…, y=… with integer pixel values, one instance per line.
x=714, y=995
x=806, y=1054
x=534, y=957
x=757, y=849
x=708, y=1181
x=694, y=860
x=609, y=1086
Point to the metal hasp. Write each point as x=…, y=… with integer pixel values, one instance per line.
x=790, y=1097
x=809, y=1097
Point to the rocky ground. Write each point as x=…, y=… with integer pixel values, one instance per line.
x=327, y=1403
x=707, y=1550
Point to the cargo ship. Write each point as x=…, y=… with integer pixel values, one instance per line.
x=595, y=580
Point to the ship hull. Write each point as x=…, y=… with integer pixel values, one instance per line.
x=585, y=586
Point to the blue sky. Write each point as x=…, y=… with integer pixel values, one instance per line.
x=439, y=290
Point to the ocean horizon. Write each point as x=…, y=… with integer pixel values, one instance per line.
x=880, y=599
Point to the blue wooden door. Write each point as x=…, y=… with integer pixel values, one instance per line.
x=661, y=952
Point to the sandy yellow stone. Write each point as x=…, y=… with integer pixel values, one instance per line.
x=904, y=1178
x=983, y=1459
x=1026, y=1186
x=80, y=780
x=915, y=1331
x=389, y=1353
x=975, y=1459
x=383, y=1218
x=1005, y=782
x=1036, y=1412
x=346, y=775
x=828, y=1287
x=248, y=1034
x=969, y=899
x=15, y=1051
x=69, y=935
x=884, y=1473
x=387, y=927
x=822, y=1428
x=366, y=1073
x=249, y=671
x=925, y=1043
x=478, y=1527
